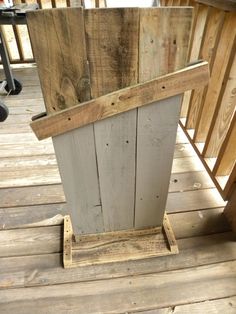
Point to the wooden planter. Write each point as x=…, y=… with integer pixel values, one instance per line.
x=114, y=153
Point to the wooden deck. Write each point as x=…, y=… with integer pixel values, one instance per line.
x=201, y=279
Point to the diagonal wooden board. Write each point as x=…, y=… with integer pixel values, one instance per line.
x=122, y=100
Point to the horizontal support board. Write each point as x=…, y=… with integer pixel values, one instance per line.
x=122, y=100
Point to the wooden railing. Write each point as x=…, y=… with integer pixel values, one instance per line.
x=208, y=114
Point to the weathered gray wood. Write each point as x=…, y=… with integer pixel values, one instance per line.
x=161, y=51
x=76, y=157
x=28, y=241
x=114, y=65
x=115, y=144
x=126, y=294
x=48, y=239
x=225, y=305
x=156, y=134
x=35, y=270
x=199, y=199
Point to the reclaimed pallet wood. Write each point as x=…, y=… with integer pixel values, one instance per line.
x=100, y=161
x=163, y=49
x=60, y=52
x=116, y=246
x=123, y=100
x=113, y=65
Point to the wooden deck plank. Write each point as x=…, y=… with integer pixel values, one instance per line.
x=224, y=305
x=141, y=292
x=41, y=240
x=46, y=269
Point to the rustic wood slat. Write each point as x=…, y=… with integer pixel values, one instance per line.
x=224, y=52
x=66, y=50
x=227, y=106
x=157, y=123
x=227, y=154
x=155, y=141
x=70, y=87
x=209, y=43
x=76, y=156
x=117, y=246
x=194, y=47
x=113, y=65
x=122, y=100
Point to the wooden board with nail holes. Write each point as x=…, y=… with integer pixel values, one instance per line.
x=117, y=246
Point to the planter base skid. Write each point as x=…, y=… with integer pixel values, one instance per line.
x=118, y=246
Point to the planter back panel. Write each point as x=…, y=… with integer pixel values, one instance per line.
x=115, y=172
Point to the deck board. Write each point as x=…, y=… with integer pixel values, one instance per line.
x=32, y=206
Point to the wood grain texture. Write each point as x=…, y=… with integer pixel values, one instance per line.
x=226, y=5
x=195, y=45
x=117, y=246
x=78, y=169
x=227, y=106
x=61, y=59
x=122, y=100
x=113, y=58
x=21, y=271
x=157, y=290
x=227, y=154
x=225, y=51
x=211, y=35
x=163, y=49
x=155, y=140
x=224, y=305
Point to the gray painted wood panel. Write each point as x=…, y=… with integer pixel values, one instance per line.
x=78, y=168
x=116, y=144
x=156, y=135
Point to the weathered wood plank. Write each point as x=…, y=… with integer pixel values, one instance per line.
x=123, y=100
x=60, y=44
x=200, y=199
x=77, y=164
x=32, y=216
x=195, y=45
x=113, y=63
x=163, y=49
x=156, y=131
x=227, y=106
x=225, y=51
x=212, y=32
x=28, y=241
x=39, y=270
x=123, y=294
x=227, y=153
x=31, y=241
x=225, y=305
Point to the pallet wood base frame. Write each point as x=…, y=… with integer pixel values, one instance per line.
x=118, y=246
